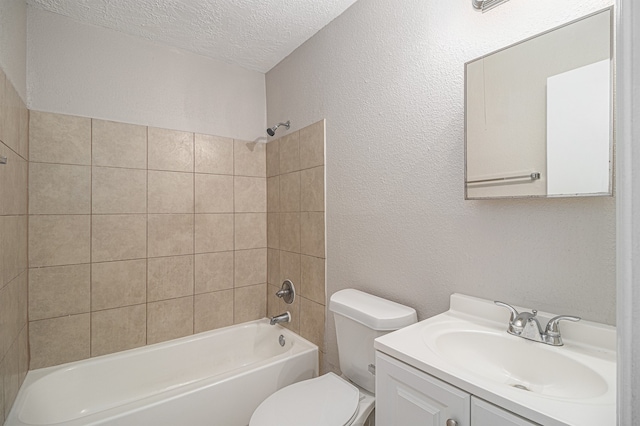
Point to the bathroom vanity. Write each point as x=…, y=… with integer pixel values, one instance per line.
x=462, y=368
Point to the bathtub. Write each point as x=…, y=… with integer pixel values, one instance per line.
x=213, y=378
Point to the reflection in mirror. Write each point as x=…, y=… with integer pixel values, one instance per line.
x=538, y=115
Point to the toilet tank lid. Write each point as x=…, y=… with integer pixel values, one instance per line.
x=372, y=311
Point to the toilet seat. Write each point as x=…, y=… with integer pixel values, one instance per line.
x=327, y=400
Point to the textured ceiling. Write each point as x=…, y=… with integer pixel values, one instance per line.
x=255, y=34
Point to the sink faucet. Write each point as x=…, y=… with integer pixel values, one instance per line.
x=527, y=326
x=286, y=317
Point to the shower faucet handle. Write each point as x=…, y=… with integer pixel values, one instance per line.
x=287, y=292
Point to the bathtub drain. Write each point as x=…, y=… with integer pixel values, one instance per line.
x=281, y=340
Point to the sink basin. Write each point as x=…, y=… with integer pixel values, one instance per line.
x=468, y=347
x=519, y=363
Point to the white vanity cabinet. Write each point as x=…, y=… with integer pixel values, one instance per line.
x=406, y=396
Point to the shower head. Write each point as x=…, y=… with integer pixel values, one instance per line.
x=272, y=130
x=486, y=5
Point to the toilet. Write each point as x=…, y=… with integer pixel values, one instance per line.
x=331, y=400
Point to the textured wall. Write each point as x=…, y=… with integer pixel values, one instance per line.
x=89, y=71
x=13, y=43
x=139, y=235
x=389, y=81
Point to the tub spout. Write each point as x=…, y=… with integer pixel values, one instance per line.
x=286, y=317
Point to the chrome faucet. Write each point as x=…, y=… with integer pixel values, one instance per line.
x=286, y=317
x=527, y=326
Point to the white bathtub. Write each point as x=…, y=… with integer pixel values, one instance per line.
x=213, y=378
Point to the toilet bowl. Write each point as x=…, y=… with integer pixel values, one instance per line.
x=331, y=400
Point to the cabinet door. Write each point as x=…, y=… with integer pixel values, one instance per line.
x=485, y=414
x=406, y=396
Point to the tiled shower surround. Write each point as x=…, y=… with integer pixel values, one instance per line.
x=139, y=235
x=14, y=140
x=296, y=228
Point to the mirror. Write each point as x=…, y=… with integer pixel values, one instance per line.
x=539, y=115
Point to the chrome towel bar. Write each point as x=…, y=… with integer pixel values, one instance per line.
x=532, y=176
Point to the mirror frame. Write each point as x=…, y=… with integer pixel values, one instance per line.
x=612, y=111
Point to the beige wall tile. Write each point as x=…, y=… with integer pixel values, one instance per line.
x=214, y=232
x=290, y=192
x=169, y=277
x=13, y=317
x=14, y=177
x=117, y=284
x=249, y=303
x=214, y=154
x=214, y=193
x=59, y=290
x=273, y=194
x=14, y=247
x=312, y=190
x=312, y=145
x=273, y=158
x=23, y=352
x=249, y=159
x=213, y=310
x=2, y=244
x=273, y=230
x=170, y=234
x=11, y=375
x=170, y=150
x=5, y=189
x=118, y=237
x=119, y=144
x=169, y=319
x=312, y=280
x=273, y=302
x=59, y=240
x=57, y=138
x=289, y=153
x=250, y=267
x=118, y=329
x=250, y=194
x=312, y=234
x=8, y=313
x=22, y=299
x=290, y=232
x=59, y=340
x=214, y=271
x=59, y=189
x=250, y=230
x=312, y=317
x=273, y=267
x=290, y=268
x=170, y=192
x=119, y=190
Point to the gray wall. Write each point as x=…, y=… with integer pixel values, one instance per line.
x=388, y=78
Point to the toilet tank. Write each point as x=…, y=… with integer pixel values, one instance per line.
x=360, y=318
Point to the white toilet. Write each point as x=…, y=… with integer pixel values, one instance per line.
x=330, y=400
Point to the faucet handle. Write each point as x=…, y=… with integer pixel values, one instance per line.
x=514, y=313
x=552, y=325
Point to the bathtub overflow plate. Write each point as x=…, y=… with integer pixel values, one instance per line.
x=281, y=340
